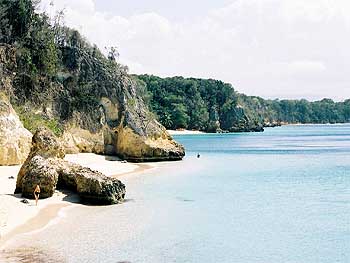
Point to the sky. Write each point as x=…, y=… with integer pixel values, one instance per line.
x=271, y=48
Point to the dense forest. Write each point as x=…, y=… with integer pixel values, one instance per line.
x=212, y=105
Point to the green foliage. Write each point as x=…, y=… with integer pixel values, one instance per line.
x=191, y=103
x=32, y=121
x=15, y=19
x=212, y=105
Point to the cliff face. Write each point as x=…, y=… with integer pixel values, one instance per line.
x=15, y=140
x=94, y=105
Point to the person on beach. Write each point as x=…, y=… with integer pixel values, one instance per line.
x=36, y=194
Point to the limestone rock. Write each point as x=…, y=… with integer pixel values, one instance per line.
x=46, y=146
x=134, y=147
x=39, y=171
x=45, y=166
x=113, y=120
x=76, y=140
x=134, y=134
x=92, y=186
x=15, y=140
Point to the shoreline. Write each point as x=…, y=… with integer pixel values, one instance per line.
x=195, y=132
x=22, y=218
x=184, y=132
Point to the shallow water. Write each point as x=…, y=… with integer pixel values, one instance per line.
x=278, y=196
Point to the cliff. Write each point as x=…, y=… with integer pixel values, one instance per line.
x=90, y=102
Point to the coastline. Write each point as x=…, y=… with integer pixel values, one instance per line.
x=19, y=218
x=184, y=132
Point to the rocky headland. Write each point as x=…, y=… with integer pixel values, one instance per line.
x=106, y=116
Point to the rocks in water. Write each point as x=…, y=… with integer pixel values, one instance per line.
x=45, y=167
x=15, y=140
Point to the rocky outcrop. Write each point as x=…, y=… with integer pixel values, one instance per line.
x=46, y=167
x=131, y=132
x=76, y=140
x=15, y=140
x=99, y=106
x=123, y=127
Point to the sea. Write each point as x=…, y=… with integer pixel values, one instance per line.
x=281, y=196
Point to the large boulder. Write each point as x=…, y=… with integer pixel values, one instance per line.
x=91, y=186
x=39, y=171
x=15, y=140
x=45, y=167
x=46, y=146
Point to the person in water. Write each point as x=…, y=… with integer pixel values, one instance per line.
x=36, y=194
x=198, y=155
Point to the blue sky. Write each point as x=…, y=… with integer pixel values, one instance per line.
x=271, y=48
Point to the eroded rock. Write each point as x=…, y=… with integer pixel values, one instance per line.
x=134, y=134
x=15, y=140
x=39, y=171
x=91, y=186
x=45, y=167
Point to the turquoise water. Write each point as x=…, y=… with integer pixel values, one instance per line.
x=278, y=196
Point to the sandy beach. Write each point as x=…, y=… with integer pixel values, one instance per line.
x=17, y=217
x=184, y=132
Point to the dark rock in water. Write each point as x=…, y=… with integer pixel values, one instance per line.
x=11, y=177
x=45, y=167
x=24, y=201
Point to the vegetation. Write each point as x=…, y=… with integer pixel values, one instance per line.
x=32, y=121
x=211, y=105
x=56, y=67
x=60, y=76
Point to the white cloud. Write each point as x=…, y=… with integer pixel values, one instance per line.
x=306, y=67
x=288, y=48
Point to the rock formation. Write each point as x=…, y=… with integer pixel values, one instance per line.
x=131, y=132
x=105, y=116
x=45, y=167
x=15, y=140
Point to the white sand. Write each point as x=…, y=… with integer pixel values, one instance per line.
x=13, y=213
x=183, y=132
x=107, y=165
